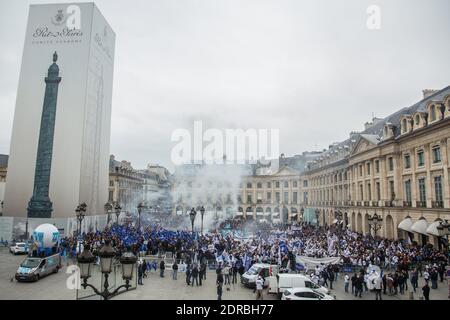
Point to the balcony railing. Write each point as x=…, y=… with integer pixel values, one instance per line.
x=389, y=203
x=366, y=203
x=437, y=204
x=374, y=203
x=407, y=203
x=421, y=204
x=358, y=203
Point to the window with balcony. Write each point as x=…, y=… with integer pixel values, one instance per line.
x=249, y=198
x=360, y=170
x=407, y=160
x=436, y=154
x=269, y=185
x=438, y=192
x=369, y=192
x=277, y=197
x=368, y=168
x=294, y=197
x=420, y=158
x=285, y=197
x=377, y=166
x=392, y=190
x=259, y=197
x=269, y=197
x=422, y=193
x=259, y=185
x=378, y=186
x=408, y=196
x=391, y=164
x=277, y=184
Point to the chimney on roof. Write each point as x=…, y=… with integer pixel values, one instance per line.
x=428, y=92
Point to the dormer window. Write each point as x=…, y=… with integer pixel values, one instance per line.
x=404, y=126
x=432, y=113
x=417, y=120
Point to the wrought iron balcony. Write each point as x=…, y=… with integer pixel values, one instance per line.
x=421, y=204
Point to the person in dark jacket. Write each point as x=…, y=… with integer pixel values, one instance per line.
x=426, y=291
x=162, y=267
x=188, y=275
x=174, y=270
x=194, y=275
x=219, y=290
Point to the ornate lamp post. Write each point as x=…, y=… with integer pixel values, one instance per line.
x=192, y=215
x=108, y=208
x=444, y=231
x=140, y=206
x=81, y=213
x=317, y=216
x=375, y=222
x=106, y=254
x=202, y=212
x=339, y=216
x=117, y=209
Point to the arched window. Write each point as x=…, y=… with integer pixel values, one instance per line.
x=417, y=120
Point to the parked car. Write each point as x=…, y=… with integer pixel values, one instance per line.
x=282, y=281
x=249, y=278
x=304, y=294
x=19, y=248
x=33, y=269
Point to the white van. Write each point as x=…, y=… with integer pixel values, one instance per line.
x=283, y=281
x=33, y=269
x=248, y=279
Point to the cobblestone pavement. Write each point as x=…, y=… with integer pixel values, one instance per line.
x=54, y=287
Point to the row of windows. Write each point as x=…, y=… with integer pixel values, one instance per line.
x=259, y=185
x=436, y=155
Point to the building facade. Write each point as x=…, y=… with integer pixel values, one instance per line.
x=398, y=168
x=260, y=191
x=129, y=187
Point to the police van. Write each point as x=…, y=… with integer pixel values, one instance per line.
x=34, y=268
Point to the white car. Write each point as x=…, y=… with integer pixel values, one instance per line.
x=19, y=247
x=304, y=294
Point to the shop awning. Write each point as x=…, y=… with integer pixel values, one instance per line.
x=432, y=228
x=420, y=226
x=406, y=224
x=239, y=213
x=259, y=213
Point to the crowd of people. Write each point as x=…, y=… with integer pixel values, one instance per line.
x=231, y=253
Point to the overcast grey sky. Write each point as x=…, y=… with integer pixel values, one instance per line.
x=310, y=68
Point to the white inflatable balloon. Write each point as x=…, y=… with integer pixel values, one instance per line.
x=47, y=235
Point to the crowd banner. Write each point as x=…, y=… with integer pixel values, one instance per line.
x=310, y=263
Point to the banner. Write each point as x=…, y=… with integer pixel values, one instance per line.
x=310, y=263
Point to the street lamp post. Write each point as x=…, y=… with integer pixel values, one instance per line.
x=117, y=209
x=106, y=254
x=375, y=223
x=192, y=215
x=444, y=231
x=80, y=213
x=139, y=208
x=108, y=208
x=202, y=212
x=339, y=217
